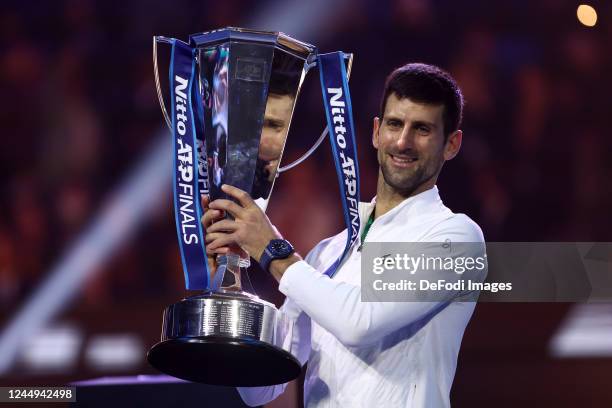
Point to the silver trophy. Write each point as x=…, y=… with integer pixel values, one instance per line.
x=248, y=82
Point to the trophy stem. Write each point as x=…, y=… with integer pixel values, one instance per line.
x=229, y=267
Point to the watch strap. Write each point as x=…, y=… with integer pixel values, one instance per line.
x=265, y=259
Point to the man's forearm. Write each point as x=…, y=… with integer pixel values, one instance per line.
x=279, y=266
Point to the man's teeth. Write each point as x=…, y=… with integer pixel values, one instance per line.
x=404, y=159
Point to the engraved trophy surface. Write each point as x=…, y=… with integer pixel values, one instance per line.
x=247, y=82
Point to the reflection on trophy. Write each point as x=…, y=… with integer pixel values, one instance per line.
x=274, y=133
x=246, y=83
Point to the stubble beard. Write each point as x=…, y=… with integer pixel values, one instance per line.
x=406, y=182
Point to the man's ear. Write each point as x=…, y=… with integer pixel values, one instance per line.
x=453, y=144
x=375, y=130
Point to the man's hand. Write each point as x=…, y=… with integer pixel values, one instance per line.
x=209, y=217
x=250, y=229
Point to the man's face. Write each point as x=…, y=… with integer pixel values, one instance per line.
x=274, y=132
x=410, y=143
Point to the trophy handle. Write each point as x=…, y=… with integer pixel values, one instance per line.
x=160, y=96
x=305, y=155
x=349, y=64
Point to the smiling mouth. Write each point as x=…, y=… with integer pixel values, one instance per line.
x=402, y=160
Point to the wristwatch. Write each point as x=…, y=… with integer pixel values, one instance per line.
x=276, y=249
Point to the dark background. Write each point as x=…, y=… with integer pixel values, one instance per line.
x=79, y=111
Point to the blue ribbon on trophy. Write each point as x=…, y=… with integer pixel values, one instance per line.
x=188, y=166
x=339, y=113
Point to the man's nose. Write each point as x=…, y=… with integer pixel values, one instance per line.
x=405, y=141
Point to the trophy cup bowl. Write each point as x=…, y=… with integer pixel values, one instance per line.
x=248, y=82
x=239, y=351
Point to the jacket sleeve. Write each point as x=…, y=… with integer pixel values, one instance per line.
x=292, y=334
x=355, y=323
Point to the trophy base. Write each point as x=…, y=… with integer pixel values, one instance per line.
x=223, y=361
x=223, y=338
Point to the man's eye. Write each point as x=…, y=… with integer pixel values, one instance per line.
x=423, y=129
x=273, y=125
x=394, y=124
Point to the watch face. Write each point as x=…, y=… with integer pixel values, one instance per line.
x=280, y=247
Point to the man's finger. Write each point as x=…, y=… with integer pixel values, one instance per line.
x=214, y=236
x=205, y=202
x=221, y=250
x=242, y=196
x=210, y=237
x=218, y=240
x=222, y=226
x=227, y=205
x=211, y=216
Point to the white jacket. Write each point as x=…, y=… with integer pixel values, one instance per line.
x=374, y=354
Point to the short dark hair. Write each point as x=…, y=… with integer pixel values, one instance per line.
x=285, y=75
x=424, y=83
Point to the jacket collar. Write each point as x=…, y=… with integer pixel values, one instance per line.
x=413, y=204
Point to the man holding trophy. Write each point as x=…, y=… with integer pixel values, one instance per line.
x=358, y=353
x=233, y=93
